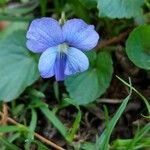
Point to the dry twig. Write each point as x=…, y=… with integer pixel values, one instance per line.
x=110, y=101
x=113, y=40
x=5, y=114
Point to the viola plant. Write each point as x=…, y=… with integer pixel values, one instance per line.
x=85, y=111
x=62, y=46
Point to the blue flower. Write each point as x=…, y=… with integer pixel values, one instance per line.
x=61, y=46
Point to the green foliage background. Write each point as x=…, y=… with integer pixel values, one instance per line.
x=19, y=73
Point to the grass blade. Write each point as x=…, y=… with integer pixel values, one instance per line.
x=140, y=134
x=142, y=97
x=54, y=120
x=75, y=127
x=9, y=145
x=31, y=128
x=11, y=128
x=103, y=141
x=77, y=121
x=33, y=124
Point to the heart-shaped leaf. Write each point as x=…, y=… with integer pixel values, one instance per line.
x=18, y=66
x=86, y=87
x=138, y=46
x=120, y=8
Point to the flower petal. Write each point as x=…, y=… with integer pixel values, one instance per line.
x=60, y=67
x=47, y=62
x=77, y=61
x=44, y=33
x=79, y=34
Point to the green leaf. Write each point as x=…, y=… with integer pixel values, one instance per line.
x=18, y=66
x=120, y=144
x=139, y=141
x=17, y=109
x=12, y=27
x=120, y=8
x=9, y=145
x=147, y=104
x=3, y=1
x=41, y=146
x=54, y=120
x=76, y=123
x=87, y=146
x=138, y=46
x=78, y=10
x=75, y=127
x=33, y=123
x=20, y=8
x=10, y=139
x=16, y=18
x=86, y=87
x=43, y=5
x=88, y=3
x=13, y=137
x=12, y=128
x=56, y=90
x=76, y=87
x=139, y=135
x=103, y=141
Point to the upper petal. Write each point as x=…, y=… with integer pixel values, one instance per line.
x=77, y=61
x=47, y=62
x=44, y=33
x=79, y=34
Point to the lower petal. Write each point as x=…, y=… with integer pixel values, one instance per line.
x=47, y=62
x=60, y=67
x=77, y=61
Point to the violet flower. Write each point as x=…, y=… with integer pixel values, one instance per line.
x=62, y=47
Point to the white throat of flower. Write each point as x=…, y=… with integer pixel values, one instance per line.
x=63, y=48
